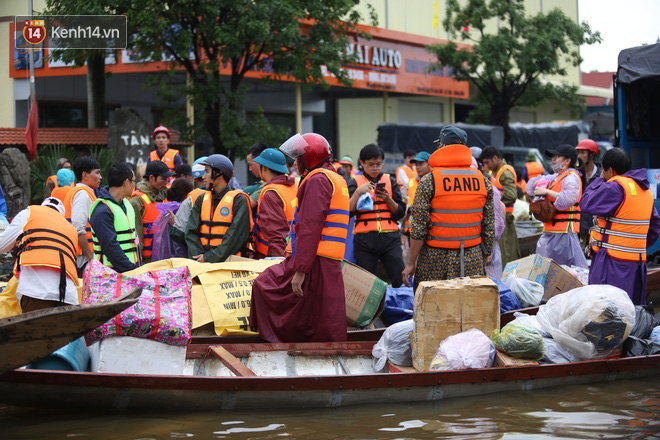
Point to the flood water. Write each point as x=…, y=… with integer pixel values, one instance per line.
x=618, y=410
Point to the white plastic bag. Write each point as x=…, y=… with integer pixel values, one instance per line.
x=591, y=321
x=394, y=345
x=467, y=350
x=365, y=202
x=553, y=353
x=530, y=321
x=530, y=293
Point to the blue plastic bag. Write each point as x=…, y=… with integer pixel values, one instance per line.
x=398, y=304
x=365, y=202
x=508, y=300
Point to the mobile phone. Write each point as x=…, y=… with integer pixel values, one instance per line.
x=380, y=186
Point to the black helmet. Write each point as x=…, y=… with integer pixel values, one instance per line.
x=221, y=163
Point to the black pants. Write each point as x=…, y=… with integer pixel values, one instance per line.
x=370, y=247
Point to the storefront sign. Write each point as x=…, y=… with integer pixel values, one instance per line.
x=391, y=61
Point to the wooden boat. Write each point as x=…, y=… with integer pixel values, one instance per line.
x=30, y=336
x=251, y=376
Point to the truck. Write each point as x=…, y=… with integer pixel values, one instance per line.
x=637, y=112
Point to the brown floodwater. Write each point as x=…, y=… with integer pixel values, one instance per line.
x=618, y=410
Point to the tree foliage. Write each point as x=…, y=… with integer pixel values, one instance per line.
x=508, y=66
x=94, y=58
x=279, y=37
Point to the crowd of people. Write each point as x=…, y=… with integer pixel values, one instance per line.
x=442, y=215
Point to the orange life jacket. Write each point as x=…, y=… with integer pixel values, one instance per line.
x=458, y=203
x=533, y=169
x=212, y=228
x=409, y=172
x=626, y=231
x=53, y=179
x=194, y=194
x=495, y=180
x=335, y=228
x=60, y=192
x=150, y=215
x=48, y=240
x=287, y=194
x=68, y=202
x=522, y=185
x=168, y=157
x=563, y=221
x=380, y=218
x=336, y=165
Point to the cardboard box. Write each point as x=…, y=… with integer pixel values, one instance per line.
x=554, y=278
x=446, y=308
x=365, y=295
x=504, y=360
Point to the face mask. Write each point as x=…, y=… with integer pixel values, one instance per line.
x=557, y=167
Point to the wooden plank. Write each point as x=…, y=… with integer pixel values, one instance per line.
x=230, y=361
x=31, y=336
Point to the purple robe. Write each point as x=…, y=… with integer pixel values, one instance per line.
x=603, y=198
x=320, y=314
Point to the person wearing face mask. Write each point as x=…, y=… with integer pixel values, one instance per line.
x=559, y=240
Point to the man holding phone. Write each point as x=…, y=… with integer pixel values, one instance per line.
x=376, y=233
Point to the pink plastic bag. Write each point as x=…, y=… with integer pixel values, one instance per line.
x=162, y=312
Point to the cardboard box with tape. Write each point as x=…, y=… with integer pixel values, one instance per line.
x=554, y=278
x=446, y=308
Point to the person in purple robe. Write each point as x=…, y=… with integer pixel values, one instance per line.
x=604, y=197
x=302, y=299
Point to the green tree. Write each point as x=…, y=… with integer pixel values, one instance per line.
x=280, y=37
x=94, y=58
x=507, y=67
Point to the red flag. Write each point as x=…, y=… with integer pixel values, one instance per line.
x=31, y=130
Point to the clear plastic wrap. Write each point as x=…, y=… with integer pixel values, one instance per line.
x=530, y=293
x=553, y=353
x=467, y=350
x=394, y=345
x=530, y=321
x=591, y=321
x=518, y=340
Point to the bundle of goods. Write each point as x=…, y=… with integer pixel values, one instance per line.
x=591, y=321
x=394, y=346
x=467, y=350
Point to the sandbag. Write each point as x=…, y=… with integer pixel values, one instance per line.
x=162, y=312
x=518, y=340
x=591, y=321
x=394, y=346
x=467, y=350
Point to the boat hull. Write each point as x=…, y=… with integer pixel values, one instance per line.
x=115, y=392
